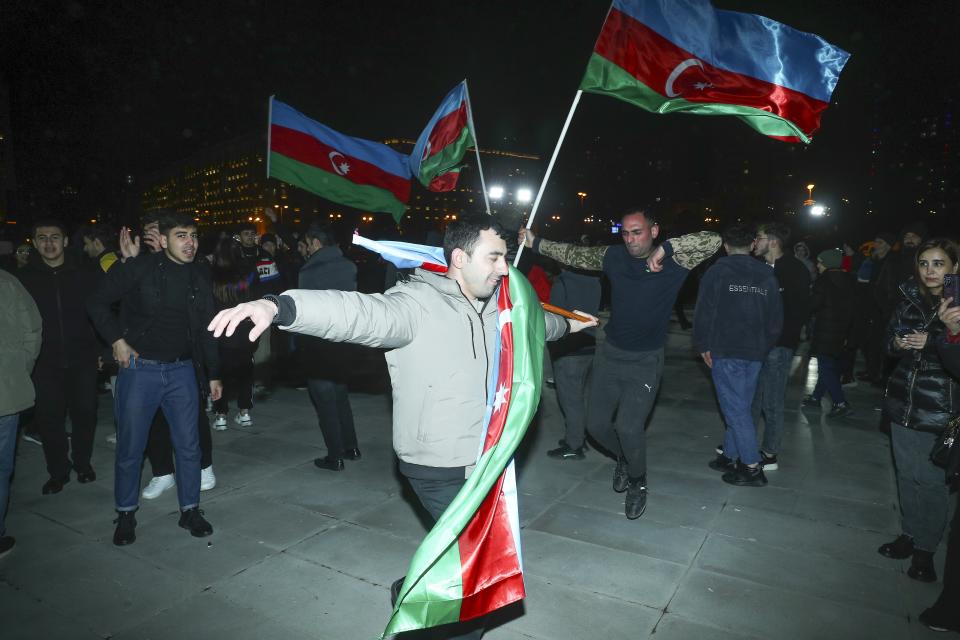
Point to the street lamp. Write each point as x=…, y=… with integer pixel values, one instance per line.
x=809, y=200
x=496, y=192
x=582, y=195
x=524, y=195
x=817, y=210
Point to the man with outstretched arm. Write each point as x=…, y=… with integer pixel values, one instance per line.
x=441, y=332
x=628, y=365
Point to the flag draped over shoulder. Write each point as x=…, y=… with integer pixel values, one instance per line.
x=436, y=157
x=684, y=55
x=349, y=171
x=470, y=563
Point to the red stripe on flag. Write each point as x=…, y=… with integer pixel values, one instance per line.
x=492, y=576
x=309, y=150
x=447, y=129
x=445, y=181
x=651, y=59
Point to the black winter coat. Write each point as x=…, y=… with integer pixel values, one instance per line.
x=833, y=302
x=61, y=294
x=921, y=394
x=327, y=268
x=137, y=284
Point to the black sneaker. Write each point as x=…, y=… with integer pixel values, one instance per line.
x=899, y=549
x=126, y=531
x=921, y=566
x=636, y=501
x=86, y=475
x=620, y=478
x=840, y=410
x=6, y=545
x=940, y=618
x=810, y=401
x=54, y=485
x=328, y=463
x=744, y=476
x=768, y=461
x=564, y=452
x=352, y=454
x=722, y=463
x=192, y=520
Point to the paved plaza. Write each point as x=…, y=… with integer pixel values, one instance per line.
x=300, y=553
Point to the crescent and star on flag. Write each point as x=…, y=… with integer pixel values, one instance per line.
x=678, y=71
x=339, y=163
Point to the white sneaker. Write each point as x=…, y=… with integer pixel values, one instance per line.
x=220, y=424
x=158, y=485
x=112, y=438
x=207, y=479
x=244, y=420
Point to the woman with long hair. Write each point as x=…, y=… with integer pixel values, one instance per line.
x=233, y=283
x=920, y=399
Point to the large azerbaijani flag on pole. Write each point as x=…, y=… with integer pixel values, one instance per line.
x=685, y=56
x=439, y=150
x=349, y=171
x=470, y=563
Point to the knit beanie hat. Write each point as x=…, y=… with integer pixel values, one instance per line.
x=831, y=258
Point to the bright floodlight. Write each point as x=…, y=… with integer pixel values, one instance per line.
x=524, y=195
x=496, y=193
x=817, y=210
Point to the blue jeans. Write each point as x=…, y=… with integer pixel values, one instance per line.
x=736, y=384
x=828, y=378
x=141, y=389
x=771, y=392
x=8, y=446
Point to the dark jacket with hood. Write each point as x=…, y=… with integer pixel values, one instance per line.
x=794, y=280
x=833, y=303
x=138, y=285
x=327, y=269
x=921, y=394
x=61, y=294
x=739, y=311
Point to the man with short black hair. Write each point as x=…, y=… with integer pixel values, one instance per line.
x=100, y=244
x=160, y=343
x=627, y=367
x=66, y=372
x=794, y=284
x=736, y=322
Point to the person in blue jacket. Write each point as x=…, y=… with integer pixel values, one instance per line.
x=738, y=319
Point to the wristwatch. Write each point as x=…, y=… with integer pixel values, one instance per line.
x=276, y=301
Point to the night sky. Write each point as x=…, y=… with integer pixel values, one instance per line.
x=102, y=90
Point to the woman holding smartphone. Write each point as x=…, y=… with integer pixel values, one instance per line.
x=920, y=399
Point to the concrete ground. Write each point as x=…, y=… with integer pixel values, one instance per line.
x=302, y=553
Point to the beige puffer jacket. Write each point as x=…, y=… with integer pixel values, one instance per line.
x=441, y=348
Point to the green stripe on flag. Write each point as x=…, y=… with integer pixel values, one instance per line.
x=435, y=567
x=333, y=187
x=606, y=78
x=448, y=158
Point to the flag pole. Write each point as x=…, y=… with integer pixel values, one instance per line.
x=476, y=145
x=269, y=121
x=546, y=176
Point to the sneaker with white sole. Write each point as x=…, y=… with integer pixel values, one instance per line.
x=220, y=424
x=207, y=479
x=244, y=420
x=158, y=485
x=32, y=436
x=768, y=461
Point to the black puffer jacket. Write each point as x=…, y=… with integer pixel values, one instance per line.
x=833, y=303
x=920, y=394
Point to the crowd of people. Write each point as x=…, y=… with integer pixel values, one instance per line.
x=171, y=325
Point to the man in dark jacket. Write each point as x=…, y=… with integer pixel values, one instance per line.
x=738, y=318
x=327, y=268
x=832, y=304
x=794, y=281
x=66, y=372
x=161, y=345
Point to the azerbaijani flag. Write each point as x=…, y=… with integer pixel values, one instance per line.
x=349, y=171
x=436, y=157
x=470, y=562
x=684, y=55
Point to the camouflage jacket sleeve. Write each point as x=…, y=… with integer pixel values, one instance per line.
x=573, y=255
x=693, y=248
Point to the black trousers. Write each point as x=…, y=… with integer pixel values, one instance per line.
x=160, y=447
x=62, y=391
x=436, y=496
x=237, y=368
x=623, y=388
x=332, y=403
x=950, y=595
x=571, y=374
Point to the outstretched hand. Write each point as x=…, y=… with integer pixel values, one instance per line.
x=260, y=312
x=129, y=245
x=580, y=325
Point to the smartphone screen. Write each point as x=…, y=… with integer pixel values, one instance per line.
x=951, y=288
